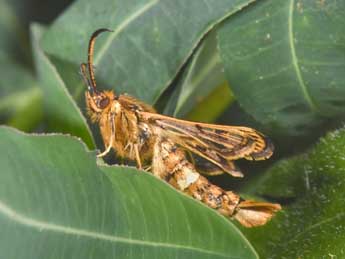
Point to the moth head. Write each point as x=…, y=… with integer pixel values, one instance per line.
x=99, y=102
x=96, y=101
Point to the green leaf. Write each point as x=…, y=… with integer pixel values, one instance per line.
x=312, y=224
x=20, y=97
x=55, y=201
x=62, y=114
x=150, y=43
x=212, y=106
x=203, y=85
x=14, y=41
x=285, y=61
x=28, y=109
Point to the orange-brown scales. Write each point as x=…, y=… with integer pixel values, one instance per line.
x=170, y=163
x=120, y=125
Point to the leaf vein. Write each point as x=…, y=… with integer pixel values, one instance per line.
x=325, y=221
x=295, y=64
x=41, y=225
x=121, y=27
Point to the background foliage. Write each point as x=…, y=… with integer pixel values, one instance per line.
x=275, y=65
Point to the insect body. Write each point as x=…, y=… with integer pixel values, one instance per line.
x=138, y=133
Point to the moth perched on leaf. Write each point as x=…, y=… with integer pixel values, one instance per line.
x=136, y=132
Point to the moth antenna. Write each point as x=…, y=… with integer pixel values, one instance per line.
x=90, y=57
x=84, y=75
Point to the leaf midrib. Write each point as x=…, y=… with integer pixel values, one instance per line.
x=121, y=27
x=295, y=64
x=101, y=52
x=13, y=215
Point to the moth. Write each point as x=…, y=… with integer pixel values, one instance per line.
x=162, y=145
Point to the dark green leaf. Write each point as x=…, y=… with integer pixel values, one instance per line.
x=61, y=112
x=312, y=224
x=55, y=201
x=285, y=61
x=14, y=41
x=202, y=79
x=20, y=98
x=150, y=43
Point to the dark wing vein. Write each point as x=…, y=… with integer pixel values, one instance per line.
x=216, y=143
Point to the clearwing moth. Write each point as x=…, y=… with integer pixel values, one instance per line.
x=161, y=144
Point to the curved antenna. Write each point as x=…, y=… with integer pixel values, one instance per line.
x=90, y=56
x=84, y=75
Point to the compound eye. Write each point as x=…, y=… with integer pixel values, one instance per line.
x=103, y=103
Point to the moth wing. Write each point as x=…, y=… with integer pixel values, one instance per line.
x=206, y=167
x=217, y=143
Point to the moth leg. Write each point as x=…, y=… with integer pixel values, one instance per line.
x=105, y=151
x=137, y=156
x=112, y=138
x=148, y=168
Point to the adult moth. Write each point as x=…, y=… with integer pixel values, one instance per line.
x=136, y=132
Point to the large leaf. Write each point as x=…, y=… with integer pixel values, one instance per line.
x=56, y=202
x=202, y=85
x=20, y=104
x=61, y=112
x=313, y=224
x=150, y=43
x=285, y=61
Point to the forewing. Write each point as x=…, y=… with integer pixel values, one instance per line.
x=216, y=143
